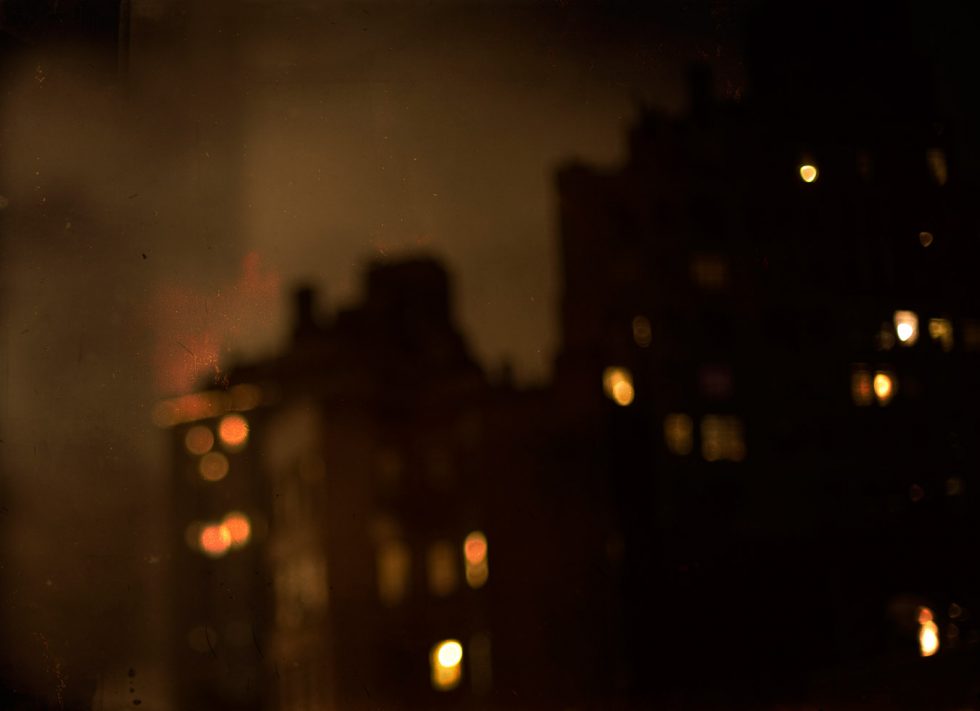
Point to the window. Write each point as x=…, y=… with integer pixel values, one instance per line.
x=721, y=438
x=906, y=327
x=709, y=271
x=617, y=383
x=394, y=571
x=475, y=557
x=445, y=662
x=679, y=433
x=441, y=566
x=861, y=386
x=941, y=329
x=936, y=160
x=642, y=335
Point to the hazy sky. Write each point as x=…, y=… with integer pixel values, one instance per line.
x=155, y=224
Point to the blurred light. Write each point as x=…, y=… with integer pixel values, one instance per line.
x=642, y=334
x=721, y=438
x=233, y=431
x=808, y=173
x=709, y=271
x=885, y=339
x=907, y=327
x=199, y=440
x=925, y=238
x=238, y=527
x=188, y=408
x=884, y=387
x=215, y=540
x=475, y=548
x=954, y=486
x=441, y=560
x=936, y=160
x=928, y=633
x=861, y=390
x=679, y=433
x=475, y=555
x=941, y=329
x=394, y=570
x=245, y=397
x=916, y=493
x=952, y=631
x=446, y=663
x=955, y=611
x=213, y=466
x=618, y=385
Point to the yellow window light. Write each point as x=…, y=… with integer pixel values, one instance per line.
x=445, y=661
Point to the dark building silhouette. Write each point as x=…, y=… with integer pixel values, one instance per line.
x=776, y=294
x=749, y=484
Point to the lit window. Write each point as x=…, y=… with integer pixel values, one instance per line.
x=642, y=334
x=233, y=432
x=199, y=440
x=618, y=385
x=709, y=271
x=394, y=571
x=238, y=527
x=721, y=438
x=861, y=386
x=884, y=387
x=928, y=633
x=445, y=661
x=441, y=560
x=925, y=238
x=808, y=173
x=941, y=329
x=215, y=540
x=475, y=557
x=679, y=433
x=213, y=466
x=954, y=486
x=907, y=327
x=936, y=160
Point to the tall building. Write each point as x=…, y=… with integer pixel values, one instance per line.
x=771, y=305
x=331, y=505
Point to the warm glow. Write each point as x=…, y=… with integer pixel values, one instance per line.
x=215, y=540
x=907, y=327
x=475, y=548
x=442, y=568
x=618, y=385
x=936, y=160
x=679, y=433
x=721, y=438
x=861, y=390
x=808, y=173
x=709, y=271
x=188, y=408
x=928, y=633
x=941, y=329
x=475, y=555
x=642, y=334
x=233, y=431
x=245, y=397
x=238, y=527
x=199, y=440
x=394, y=570
x=925, y=238
x=213, y=466
x=884, y=387
x=446, y=662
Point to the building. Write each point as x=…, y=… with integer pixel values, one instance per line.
x=769, y=326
